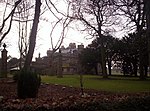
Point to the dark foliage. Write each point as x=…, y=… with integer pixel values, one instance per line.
x=28, y=84
x=15, y=76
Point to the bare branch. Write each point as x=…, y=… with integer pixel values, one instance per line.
x=17, y=20
x=60, y=41
x=4, y=21
x=63, y=20
x=51, y=33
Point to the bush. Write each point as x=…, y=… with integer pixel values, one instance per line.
x=15, y=76
x=28, y=84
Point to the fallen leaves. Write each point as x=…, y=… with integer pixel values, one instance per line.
x=51, y=96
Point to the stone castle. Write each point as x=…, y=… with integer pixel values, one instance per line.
x=65, y=61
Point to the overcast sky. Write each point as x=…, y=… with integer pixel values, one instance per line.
x=43, y=39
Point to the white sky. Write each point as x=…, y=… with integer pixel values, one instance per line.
x=43, y=40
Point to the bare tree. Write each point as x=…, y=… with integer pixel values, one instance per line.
x=63, y=21
x=22, y=16
x=32, y=37
x=9, y=18
x=96, y=15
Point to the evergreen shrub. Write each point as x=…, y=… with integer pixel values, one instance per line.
x=28, y=84
x=15, y=76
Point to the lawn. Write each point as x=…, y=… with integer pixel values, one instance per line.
x=113, y=84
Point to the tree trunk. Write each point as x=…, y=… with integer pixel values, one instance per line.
x=135, y=68
x=103, y=62
x=103, y=53
x=109, y=66
x=96, y=70
x=141, y=64
x=59, y=67
x=32, y=38
x=145, y=71
x=141, y=55
x=147, y=3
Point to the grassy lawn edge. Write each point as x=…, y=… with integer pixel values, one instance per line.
x=113, y=84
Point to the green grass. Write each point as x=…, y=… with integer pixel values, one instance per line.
x=113, y=84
